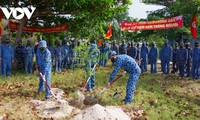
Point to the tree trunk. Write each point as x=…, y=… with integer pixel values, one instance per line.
x=21, y=26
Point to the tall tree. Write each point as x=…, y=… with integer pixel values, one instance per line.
x=186, y=8
x=84, y=17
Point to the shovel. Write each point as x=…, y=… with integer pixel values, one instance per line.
x=37, y=72
x=89, y=77
x=43, y=78
x=92, y=98
x=119, y=76
x=60, y=103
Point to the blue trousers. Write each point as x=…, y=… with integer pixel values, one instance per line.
x=103, y=62
x=91, y=82
x=28, y=64
x=20, y=64
x=41, y=84
x=188, y=70
x=166, y=66
x=130, y=87
x=144, y=64
x=6, y=67
x=195, y=70
x=72, y=63
x=154, y=66
x=58, y=65
x=181, y=68
x=64, y=63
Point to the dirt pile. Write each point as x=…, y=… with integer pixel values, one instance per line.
x=4, y=117
x=98, y=112
x=54, y=108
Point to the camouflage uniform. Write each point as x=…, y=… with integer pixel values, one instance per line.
x=196, y=61
x=130, y=66
x=92, y=60
x=174, y=60
x=132, y=51
x=65, y=54
x=28, y=61
x=115, y=48
x=103, y=54
x=43, y=62
x=72, y=55
x=166, y=55
x=122, y=48
x=181, y=59
x=153, y=55
x=7, y=56
x=51, y=48
x=58, y=57
x=144, y=55
x=20, y=53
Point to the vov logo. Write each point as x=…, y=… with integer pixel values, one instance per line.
x=14, y=11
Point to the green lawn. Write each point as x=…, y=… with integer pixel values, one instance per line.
x=161, y=97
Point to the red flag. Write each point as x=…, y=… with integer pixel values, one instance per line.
x=193, y=27
x=0, y=23
x=109, y=32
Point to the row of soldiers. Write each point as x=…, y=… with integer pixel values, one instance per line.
x=185, y=60
x=64, y=56
x=21, y=55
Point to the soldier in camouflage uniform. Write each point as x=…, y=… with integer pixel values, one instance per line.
x=43, y=65
x=196, y=61
x=28, y=61
x=138, y=48
x=174, y=60
x=182, y=59
x=188, y=64
x=103, y=54
x=51, y=48
x=144, y=55
x=114, y=47
x=7, y=57
x=132, y=51
x=20, y=53
x=65, y=54
x=123, y=48
x=153, y=56
x=58, y=57
x=166, y=55
x=72, y=54
x=92, y=60
x=130, y=66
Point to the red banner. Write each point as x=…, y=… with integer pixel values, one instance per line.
x=193, y=27
x=15, y=26
x=175, y=22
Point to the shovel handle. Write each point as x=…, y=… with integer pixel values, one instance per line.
x=43, y=78
x=90, y=76
x=112, y=82
x=116, y=79
x=139, y=61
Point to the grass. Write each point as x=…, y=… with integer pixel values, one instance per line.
x=161, y=97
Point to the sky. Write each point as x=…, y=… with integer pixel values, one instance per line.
x=138, y=9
